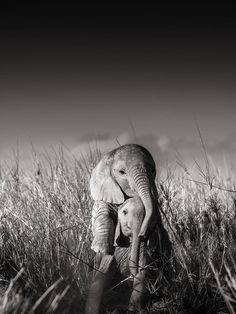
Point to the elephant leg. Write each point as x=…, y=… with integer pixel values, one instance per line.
x=118, y=294
x=139, y=294
x=101, y=281
x=98, y=260
x=104, y=219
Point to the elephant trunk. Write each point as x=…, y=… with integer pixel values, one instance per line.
x=143, y=187
x=135, y=245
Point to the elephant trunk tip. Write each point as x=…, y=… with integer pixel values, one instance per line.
x=145, y=226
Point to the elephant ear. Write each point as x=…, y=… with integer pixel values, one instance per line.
x=120, y=239
x=102, y=185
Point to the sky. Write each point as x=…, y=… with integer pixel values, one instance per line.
x=114, y=76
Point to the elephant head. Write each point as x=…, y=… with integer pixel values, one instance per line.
x=130, y=217
x=120, y=174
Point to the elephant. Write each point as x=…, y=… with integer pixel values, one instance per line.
x=125, y=173
x=130, y=217
x=127, y=262
x=121, y=173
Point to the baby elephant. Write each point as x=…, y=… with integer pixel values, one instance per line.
x=130, y=217
x=129, y=259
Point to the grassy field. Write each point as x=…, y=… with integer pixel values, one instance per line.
x=45, y=255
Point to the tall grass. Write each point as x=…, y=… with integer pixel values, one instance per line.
x=45, y=235
x=45, y=255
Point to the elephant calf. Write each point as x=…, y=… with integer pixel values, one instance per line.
x=122, y=183
x=130, y=217
x=126, y=261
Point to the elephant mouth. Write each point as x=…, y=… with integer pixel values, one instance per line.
x=129, y=193
x=127, y=231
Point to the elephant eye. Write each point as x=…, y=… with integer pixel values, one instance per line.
x=121, y=171
x=125, y=211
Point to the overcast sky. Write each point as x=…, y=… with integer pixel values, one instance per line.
x=143, y=75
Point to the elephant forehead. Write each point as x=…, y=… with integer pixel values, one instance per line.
x=133, y=204
x=132, y=161
x=119, y=163
x=132, y=150
x=133, y=158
